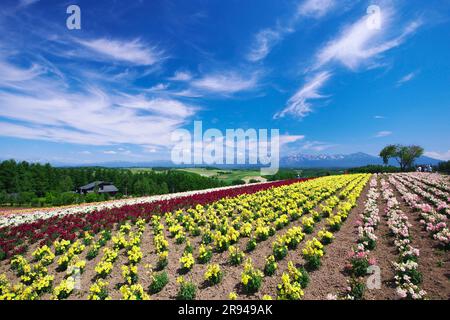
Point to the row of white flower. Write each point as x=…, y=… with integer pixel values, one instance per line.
x=370, y=217
x=432, y=195
x=437, y=190
x=433, y=221
x=407, y=275
x=15, y=219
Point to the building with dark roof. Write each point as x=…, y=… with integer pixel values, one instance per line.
x=98, y=187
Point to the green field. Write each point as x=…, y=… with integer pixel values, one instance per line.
x=140, y=170
x=230, y=175
x=227, y=175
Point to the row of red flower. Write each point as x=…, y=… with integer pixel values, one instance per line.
x=15, y=239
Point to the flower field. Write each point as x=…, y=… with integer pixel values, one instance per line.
x=288, y=240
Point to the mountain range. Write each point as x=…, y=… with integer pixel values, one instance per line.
x=358, y=159
x=297, y=160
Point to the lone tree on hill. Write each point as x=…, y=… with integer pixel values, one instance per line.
x=405, y=155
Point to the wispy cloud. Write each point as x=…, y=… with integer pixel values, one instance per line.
x=438, y=155
x=286, y=139
x=379, y=117
x=158, y=87
x=268, y=38
x=187, y=93
x=382, y=134
x=406, y=78
x=44, y=107
x=181, y=76
x=11, y=73
x=359, y=43
x=264, y=41
x=316, y=8
x=134, y=51
x=226, y=83
x=157, y=106
x=299, y=104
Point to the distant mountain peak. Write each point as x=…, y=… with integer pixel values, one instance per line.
x=357, y=159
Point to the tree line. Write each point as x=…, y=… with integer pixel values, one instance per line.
x=23, y=183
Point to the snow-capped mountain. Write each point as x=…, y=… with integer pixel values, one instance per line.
x=340, y=160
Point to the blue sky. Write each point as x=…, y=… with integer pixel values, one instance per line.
x=138, y=70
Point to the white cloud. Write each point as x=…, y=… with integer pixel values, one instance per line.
x=299, y=105
x=45, y=108
x=268, y=38
x=316, y=8
x=10, y=73
x=228, y=82
x=406, y=78
x=187, y=93
x=181, y=76
x=438, y=155
x=285, y=139
x=265, y=40
x=160, y=106
x=379, y=117
x=382, y=134
x=359, y=43
x=133, y=51
x=109, y=152
x=158, y=87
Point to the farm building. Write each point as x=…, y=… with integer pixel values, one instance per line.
x=99, y=187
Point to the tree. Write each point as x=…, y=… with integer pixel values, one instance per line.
x=3, y=197
x=405, y=155
x=237, y=182
x=387, y=153
x=444, y=167
x=65, y=184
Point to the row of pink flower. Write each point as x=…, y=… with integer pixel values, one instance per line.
x=433, y=222
x=406, y=269
x=435, y=180
x=439, y=192
x=15, y=239
x=434, y=196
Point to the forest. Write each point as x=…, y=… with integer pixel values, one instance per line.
x=34, y=184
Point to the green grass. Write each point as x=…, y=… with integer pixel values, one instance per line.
x=225, y=175
x=139, y=170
